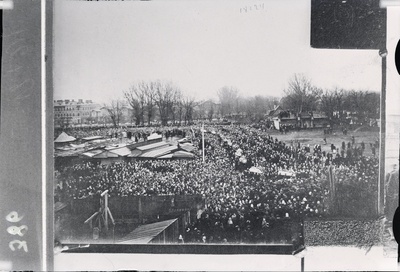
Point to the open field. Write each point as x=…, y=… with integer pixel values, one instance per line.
x=313, y=137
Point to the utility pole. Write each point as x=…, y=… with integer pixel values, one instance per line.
x=202, y=142
x=382, y=134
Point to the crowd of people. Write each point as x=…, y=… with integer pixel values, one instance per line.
x=135, y=134
x=240, y=205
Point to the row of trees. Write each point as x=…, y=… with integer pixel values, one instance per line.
x=150, y=100
x=232, y=103
x=145, y=98
x=302, y=96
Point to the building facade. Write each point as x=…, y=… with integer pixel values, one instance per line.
x=70, y=112
x=74, y=112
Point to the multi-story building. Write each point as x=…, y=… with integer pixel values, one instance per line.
x=70, y=112
x=207, y=110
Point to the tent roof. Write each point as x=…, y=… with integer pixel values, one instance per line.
x=182, y=154
x=183, y=140
x=91, y=138
x=145, y=233
x=64, y=138
x=135, y=153
x=93, y=153
x=154, y=136
x=168, y=156
x=187, y=147
x=151, y=146
x=124, y=151
x=159, y=152
x=115, y=146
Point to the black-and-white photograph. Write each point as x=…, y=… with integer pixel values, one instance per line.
x=240, y=123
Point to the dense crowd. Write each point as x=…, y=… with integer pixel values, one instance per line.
x=136, y=134
x=240, y=205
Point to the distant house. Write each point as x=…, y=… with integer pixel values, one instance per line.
x=274, y=113
x=284, y=118
x=301, y=120
x=207, y=109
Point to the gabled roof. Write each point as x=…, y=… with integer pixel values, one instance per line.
x=152, y=146
x=278, y=109
x=64, y=138
x=159, y=152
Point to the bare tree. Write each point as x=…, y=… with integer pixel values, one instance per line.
x=136, y=96
x=189, y=104
x=150, y=92
x=165, y=98
x=180, y=109
x=200, y=110
x=328, y=103
x=210, y=112
x=175, y=104
x=229, y=99
x=301, y=95
x=364, y=104
x=114, y=110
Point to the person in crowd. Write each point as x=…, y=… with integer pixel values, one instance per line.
x=241, y=205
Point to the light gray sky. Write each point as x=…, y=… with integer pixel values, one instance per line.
x=101, y=48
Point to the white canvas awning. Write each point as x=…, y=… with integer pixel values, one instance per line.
x=64, y=138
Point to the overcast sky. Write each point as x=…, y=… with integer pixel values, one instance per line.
x=101, y=48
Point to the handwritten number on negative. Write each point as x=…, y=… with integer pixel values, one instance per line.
x=15, y=230
x=13, y=217
x=21, y=244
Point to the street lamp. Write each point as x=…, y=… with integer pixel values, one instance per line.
x=383, y=54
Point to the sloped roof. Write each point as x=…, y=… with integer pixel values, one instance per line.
x=124, y=151
x=159, y=152
x=183, y=154
x=115, y=146
x=187, y=147
x=106, y=154
x=275, y=111
x=135, y=153
x=154, y=136
x=64, y=138
x=145, y=233
x=91, y=138
x=168, y=156
x=152, y=146
x=92, y=153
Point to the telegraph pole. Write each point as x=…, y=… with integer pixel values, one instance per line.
x=202, y=142
x=382, y=136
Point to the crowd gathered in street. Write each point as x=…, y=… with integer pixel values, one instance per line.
x=249, y=180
